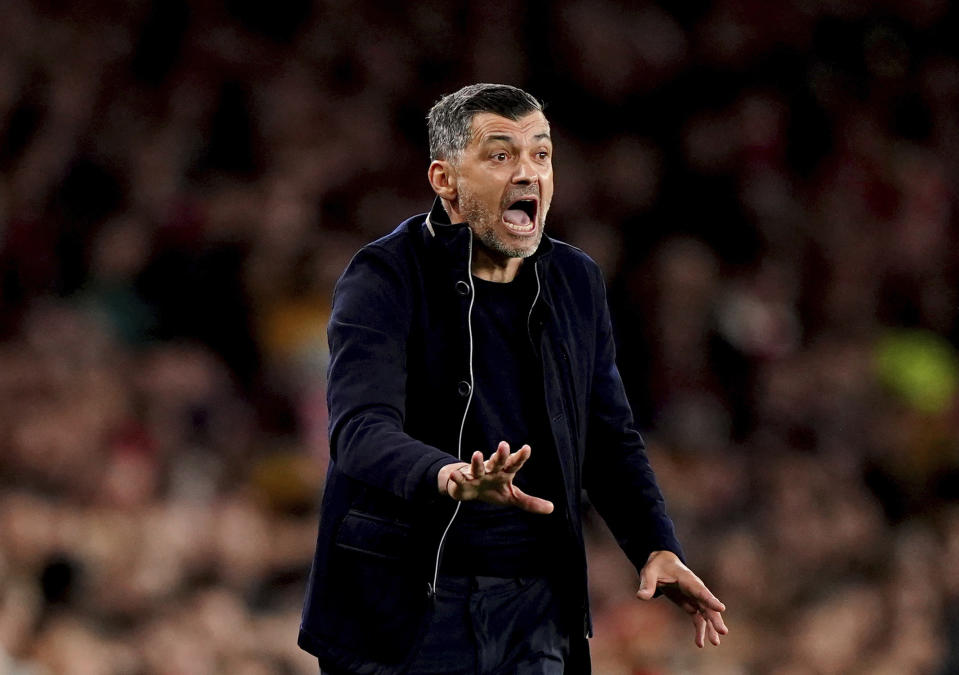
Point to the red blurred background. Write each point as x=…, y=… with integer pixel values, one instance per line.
x=769, y=187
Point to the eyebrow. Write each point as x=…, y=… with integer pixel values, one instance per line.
x=509, y=139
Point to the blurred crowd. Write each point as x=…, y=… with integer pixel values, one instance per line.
x=770, y=189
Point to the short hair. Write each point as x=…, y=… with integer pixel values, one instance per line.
x=450, y=120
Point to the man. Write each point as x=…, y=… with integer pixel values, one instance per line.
x=473, y=395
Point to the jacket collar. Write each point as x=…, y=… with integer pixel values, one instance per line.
x=437, y=219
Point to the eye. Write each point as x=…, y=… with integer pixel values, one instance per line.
x=500, y=157
x=542, y=154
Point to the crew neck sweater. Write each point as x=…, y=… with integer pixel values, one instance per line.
x=507, y=405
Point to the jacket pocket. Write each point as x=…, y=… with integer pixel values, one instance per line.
x=371, y=535
x=375, y=601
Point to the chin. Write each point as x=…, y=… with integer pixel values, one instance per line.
x=526, y=248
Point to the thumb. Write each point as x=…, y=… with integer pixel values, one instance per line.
x=647, y=584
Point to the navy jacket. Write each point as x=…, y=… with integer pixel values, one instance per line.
x=399, y=386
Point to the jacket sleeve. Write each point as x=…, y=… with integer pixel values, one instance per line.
x=616, y=471
x=366, y=381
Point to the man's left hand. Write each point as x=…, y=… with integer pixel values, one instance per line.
x=664, y=570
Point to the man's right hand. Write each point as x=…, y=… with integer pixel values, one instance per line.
x=491, y=480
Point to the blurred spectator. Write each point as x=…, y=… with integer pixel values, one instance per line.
x=769, y=189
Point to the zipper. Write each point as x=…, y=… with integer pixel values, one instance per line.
x=469, y=399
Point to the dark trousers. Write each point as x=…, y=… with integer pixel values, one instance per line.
x=493, y=626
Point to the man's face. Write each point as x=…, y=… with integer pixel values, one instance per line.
x=505, y=182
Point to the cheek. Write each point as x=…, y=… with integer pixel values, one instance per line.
x=481, y=194
x=546, y=184
x=547, y=195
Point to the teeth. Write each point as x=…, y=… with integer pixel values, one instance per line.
x=522, y=228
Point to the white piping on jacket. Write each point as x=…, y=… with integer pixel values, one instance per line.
x=529, y=317
x=459, y=441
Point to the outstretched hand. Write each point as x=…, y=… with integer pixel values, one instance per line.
x=491, y=480
x=664, y=570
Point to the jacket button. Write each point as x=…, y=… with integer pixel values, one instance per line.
x=463, y=388
x=462, y=288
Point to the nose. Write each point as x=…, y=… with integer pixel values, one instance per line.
x=526, y=172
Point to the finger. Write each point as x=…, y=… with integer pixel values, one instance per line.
x=453, y=489
x=647, y=583
x=700, y=624
x=516, y=461
x=707, y=600
x=498, y=458
x=696, y=589
x=712, y=633
x=477, y=466
x=531, y=503
x=461, y=490
x=716, y=620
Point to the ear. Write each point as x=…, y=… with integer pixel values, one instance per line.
x=442, y=178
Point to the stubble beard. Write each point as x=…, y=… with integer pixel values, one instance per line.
x=483, y=223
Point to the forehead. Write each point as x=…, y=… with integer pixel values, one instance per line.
x=490, y=126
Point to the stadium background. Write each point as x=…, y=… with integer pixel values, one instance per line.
x=769, y=187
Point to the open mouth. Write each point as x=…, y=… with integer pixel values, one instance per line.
x=520, y=217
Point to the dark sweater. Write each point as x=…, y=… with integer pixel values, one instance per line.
x=507, y=386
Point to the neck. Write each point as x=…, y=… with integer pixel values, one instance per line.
x=490, y=266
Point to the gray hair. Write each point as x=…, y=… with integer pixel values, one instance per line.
x=450, y=120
